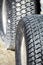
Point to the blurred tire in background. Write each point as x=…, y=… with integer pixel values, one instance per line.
x=15, y=10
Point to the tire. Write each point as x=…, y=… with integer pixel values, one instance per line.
x=31, y=28
x=1, y=28
x=15, y=11
x=38, y=7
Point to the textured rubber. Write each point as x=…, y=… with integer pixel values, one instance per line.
x=16, y=9
x=32, y=29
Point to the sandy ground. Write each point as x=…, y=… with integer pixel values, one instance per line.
x=7, y=57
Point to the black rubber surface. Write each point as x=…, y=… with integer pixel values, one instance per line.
x=32, y=29
x=1, y=28
x=38, y=7
x=16, y=9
